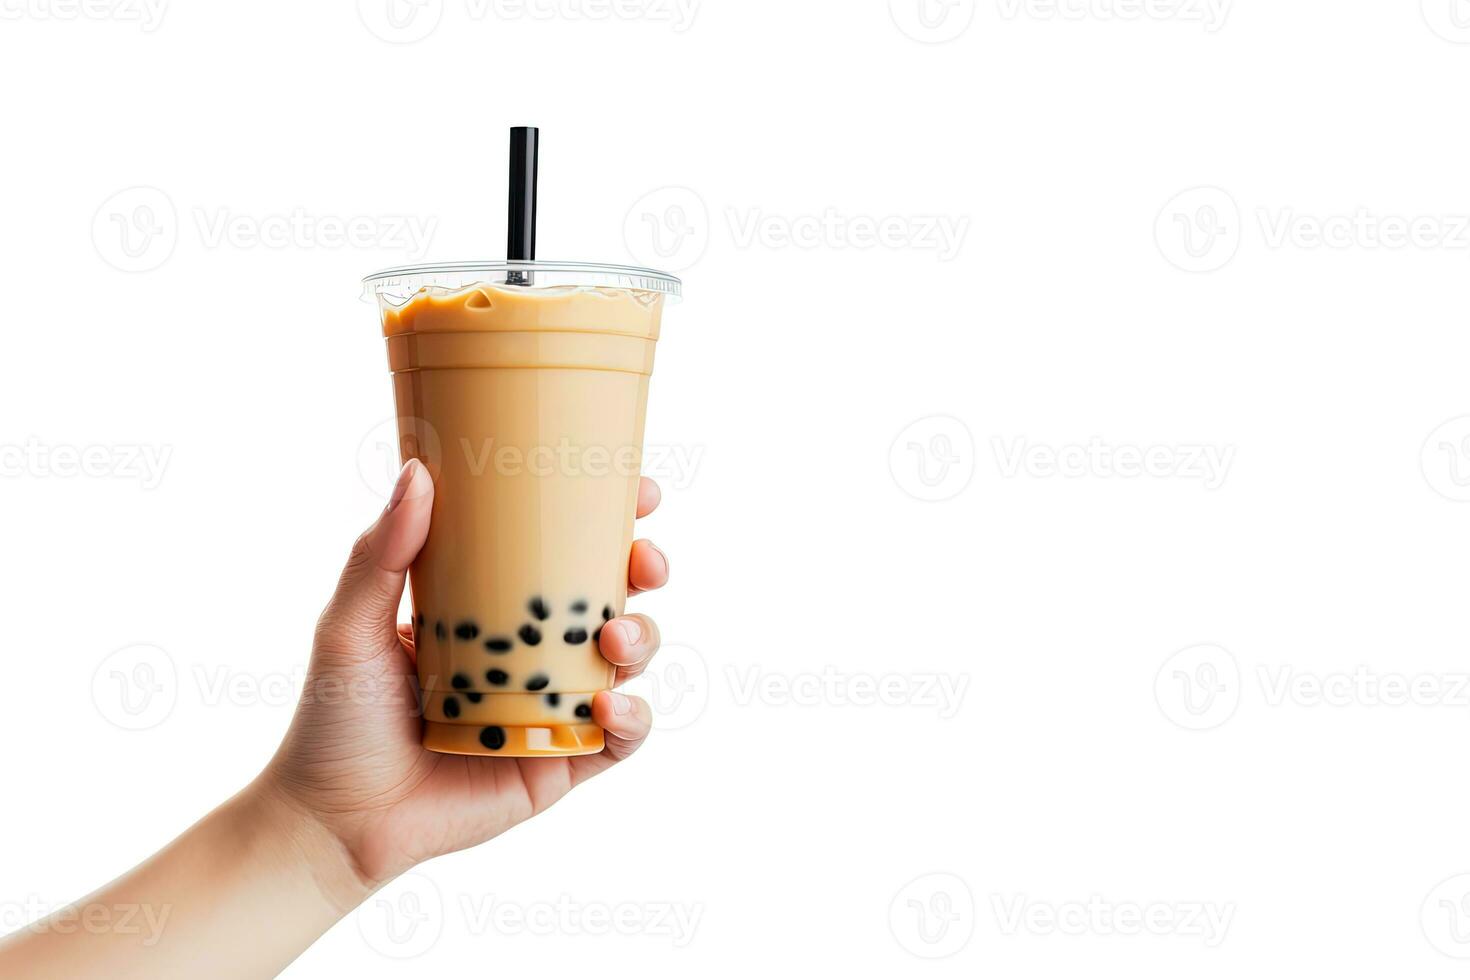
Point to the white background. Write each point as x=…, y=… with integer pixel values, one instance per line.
x=1097, y=297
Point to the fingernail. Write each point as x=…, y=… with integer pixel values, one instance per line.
x=620, y=703
x=405, y=477
x=631, y=629
x=661, y=555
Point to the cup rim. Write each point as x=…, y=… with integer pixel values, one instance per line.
x=549, y=272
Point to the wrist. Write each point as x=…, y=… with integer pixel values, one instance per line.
x=284, y=831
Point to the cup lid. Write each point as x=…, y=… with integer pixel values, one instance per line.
x=399, y=284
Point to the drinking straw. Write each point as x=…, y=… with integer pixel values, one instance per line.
x=520, y=226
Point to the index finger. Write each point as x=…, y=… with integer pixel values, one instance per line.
x=648, y=496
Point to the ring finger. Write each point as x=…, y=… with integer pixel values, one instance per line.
x=629, y=643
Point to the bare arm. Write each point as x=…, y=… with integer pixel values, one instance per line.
x=350, y=800
x=239, y=894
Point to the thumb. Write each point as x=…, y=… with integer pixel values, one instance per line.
x=364, y=609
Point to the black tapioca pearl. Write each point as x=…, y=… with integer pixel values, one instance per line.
x=451, y=707
x=530, y=635
x=597, y=635
x=460, y=682
x=554, y=700
x=584, y=710
x=580, y=606
x=493, y=737
x=420, y=619
x=439, y=631
x=538, y=608
x=497, y=677
x=498, y=644
x=466, y=630
x=575, y=636
x=606, y=613
x=537, y=682
x=473, y=697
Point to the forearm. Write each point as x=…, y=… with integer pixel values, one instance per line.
x=240, y=894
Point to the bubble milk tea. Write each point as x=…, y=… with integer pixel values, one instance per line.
x=526, y=403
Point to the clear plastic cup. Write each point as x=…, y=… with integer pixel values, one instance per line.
x=522, y=386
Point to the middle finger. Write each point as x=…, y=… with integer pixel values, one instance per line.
x=648, y=567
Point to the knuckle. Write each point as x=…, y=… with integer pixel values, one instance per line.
x=360, y=557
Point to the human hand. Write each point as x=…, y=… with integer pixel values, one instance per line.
x=352, y=762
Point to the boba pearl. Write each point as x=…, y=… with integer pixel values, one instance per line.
x=493, y=737
x=460, y=682
x=537, y=682
x=497, y=677
x=538, y=608
x=467, y=630
x=554, y=700
x=473, y=697
x=580, y=606
x=498, y=644
x=439, y=631
x=574, y=636
x=584, y=710
x=607, y=612
x=451, y=707
x=530, y=635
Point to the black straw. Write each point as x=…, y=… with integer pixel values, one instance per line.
x=520, y=228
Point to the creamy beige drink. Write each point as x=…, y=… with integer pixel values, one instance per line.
x=526, y=403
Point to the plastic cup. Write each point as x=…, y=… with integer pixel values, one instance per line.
x=526, y=404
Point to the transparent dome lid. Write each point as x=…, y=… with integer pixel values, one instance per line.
x=397, y=286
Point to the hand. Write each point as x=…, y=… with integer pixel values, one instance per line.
x=352, y=761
